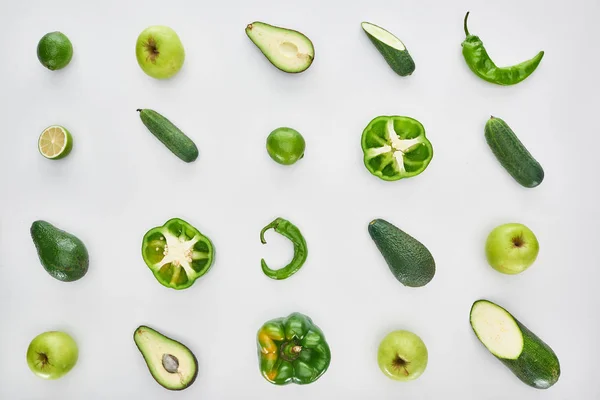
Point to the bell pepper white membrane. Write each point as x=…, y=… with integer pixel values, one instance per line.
x=398, y=147
x=497, y=330
x=180, y=252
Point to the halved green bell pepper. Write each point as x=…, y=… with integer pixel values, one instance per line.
x=177, y=253
x=396, y=147
x=292, y=350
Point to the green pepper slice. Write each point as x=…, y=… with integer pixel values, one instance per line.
x=395, y=147
x=177, y=253
x=292, y=350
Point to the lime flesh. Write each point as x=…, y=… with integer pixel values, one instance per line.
x=55, y=142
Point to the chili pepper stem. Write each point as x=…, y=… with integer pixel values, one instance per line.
x=465, y=24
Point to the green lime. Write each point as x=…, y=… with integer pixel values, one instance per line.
x=54, y=50
x=285, y=145
x=55, y=142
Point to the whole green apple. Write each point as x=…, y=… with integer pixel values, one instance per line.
x=511, y=248
x=52, y=354
x=402, y=356
x=159, y=52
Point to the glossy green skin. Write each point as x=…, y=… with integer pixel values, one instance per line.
x=409, y=260
x=170, y=135
x=292, y=350
x=166, y=42
x=504, y=256
x=290, y=231
x=482, y=65
x=62, y=254
x=285, y=145
x=61, y=353
x=55, y=51
x=399, y=60
x=512, y=154
x=537, y=365
x=170, y=275
x=415, y=160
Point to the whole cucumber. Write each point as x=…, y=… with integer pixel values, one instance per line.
x=512, y=154
x=170, y=135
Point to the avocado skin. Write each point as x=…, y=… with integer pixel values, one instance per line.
x=62, y=255
x=408, y=259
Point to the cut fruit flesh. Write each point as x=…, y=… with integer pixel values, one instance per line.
x=177, y=253
x=497, y=330
x=384, y=36
x=171, y=363
x=286, y=49
x=395, y=147
x=53, y=141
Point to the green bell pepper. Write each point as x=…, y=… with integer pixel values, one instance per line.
x=292, y=350
x=395, y=147
x=177, y=253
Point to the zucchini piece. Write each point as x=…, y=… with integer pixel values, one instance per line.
x=391, y=48
x=170, y=135
x=525, y=354
x=512, y=154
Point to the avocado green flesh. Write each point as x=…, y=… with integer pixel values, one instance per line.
x=408, y=259
x=286, y=49
x=512, y=154
x=391, y=48
x=62, y=254
x=171, y=363
x=525, y=354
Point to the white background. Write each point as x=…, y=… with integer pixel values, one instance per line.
x=119, y=181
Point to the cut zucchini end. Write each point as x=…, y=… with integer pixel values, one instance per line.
x=383, y=36
x=497, y=330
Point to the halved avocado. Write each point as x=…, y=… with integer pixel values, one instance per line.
x=171, y=363
x=288, y=50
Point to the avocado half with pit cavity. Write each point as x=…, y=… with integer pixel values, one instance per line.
x=287, y=49
x=171, y=363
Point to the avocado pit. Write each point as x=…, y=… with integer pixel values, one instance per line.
x=170, y=363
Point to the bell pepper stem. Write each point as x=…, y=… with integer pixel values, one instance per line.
x=296, y=349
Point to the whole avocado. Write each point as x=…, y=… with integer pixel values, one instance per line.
x=62, y=254
x=408, y=259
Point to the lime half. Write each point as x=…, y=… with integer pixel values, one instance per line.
x=55, y=142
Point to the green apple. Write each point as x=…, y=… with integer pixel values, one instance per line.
x=511, y=248
x=52, y=354
x=159, y=52
x=402, y=356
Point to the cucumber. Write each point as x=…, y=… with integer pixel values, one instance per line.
x=391, y=48
x=525, y=354
x=170, y=135
x=511, y=153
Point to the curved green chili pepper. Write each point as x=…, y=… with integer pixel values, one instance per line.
x=290, y=231
x=482, y=65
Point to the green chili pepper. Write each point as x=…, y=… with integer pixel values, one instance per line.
x=290, y=231
x=292, y=350
x=395, y=147
x=482, y=65
x=177, y=253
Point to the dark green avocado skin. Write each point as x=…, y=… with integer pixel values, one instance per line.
x=408, y=259
x=62, y=255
